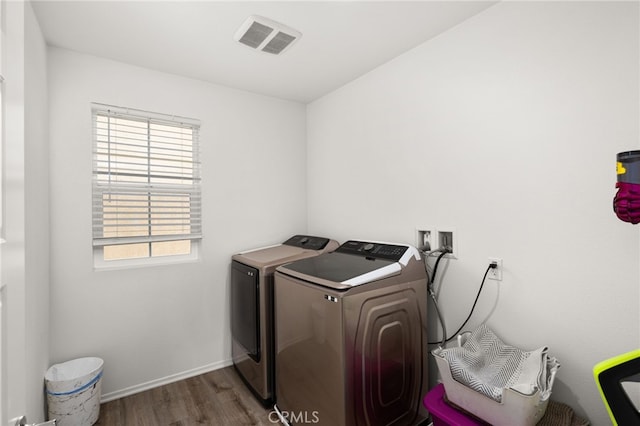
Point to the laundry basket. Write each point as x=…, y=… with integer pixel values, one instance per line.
x=73, y=391
x=514, y=408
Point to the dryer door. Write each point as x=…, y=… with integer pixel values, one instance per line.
x=245, y=308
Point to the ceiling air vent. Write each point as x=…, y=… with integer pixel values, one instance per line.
x=266, y=35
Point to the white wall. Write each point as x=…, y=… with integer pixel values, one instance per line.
x=25, y=255
x=151, y=323
x=36, y=154
x=507, y=128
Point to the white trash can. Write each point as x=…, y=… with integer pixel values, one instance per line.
x=73, y=391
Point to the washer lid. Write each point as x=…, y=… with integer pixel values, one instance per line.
x=353, y=263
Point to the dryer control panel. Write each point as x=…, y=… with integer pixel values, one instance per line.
x=374, y=250
x=307, y=242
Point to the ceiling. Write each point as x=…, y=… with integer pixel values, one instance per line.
x=340, y=40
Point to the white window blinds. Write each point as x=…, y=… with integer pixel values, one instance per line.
x=146, y=177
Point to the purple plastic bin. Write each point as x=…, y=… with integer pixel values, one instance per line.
x=442, y=413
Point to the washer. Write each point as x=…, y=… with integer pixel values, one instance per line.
x=252, y=307
x=351, y=339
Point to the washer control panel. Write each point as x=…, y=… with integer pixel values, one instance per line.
x=373, y=250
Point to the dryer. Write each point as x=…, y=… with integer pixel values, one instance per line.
x=252, y=307
x=351, y=340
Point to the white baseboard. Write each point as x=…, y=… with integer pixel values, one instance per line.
x=164, y=380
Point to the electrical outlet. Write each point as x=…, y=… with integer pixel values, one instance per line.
x=495, y=273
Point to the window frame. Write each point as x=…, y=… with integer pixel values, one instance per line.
x=191, y=189
x=140, y=262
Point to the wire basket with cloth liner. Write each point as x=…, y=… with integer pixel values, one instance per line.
x=498, y=383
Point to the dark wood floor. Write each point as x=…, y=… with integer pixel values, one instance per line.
x=215, y=398
x=220, y=398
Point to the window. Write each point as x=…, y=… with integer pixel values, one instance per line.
x=146, y=185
